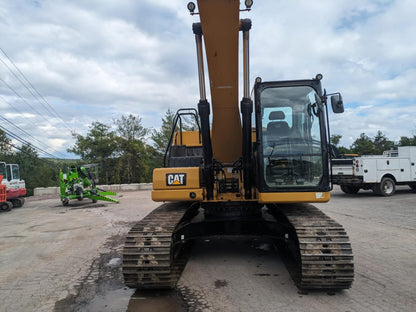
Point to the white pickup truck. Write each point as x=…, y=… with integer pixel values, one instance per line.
x=379, y=173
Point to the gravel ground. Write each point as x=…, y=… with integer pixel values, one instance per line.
x=47, y=250
x=55, y=258
x=249, y=275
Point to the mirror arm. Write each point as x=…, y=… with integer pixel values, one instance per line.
x=330, y=94
x=324, y=98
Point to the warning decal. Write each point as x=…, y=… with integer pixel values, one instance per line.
x=175, y=179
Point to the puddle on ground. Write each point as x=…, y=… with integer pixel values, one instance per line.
x=124, y=299
x=102, y=289
x=108, y=301
x=157, y=301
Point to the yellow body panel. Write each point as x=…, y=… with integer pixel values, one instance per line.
x=297, y=197
x=183, y=183
x=192, y=138
x=189, y=138
x=177, y=184
x=176, y=178
x=177, y=195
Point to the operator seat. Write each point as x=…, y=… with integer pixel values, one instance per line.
x=277, y=131
x=278, y=145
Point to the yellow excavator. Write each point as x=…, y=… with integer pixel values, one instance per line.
x=233, y=176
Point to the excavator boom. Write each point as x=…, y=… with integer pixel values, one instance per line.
x=220, y=24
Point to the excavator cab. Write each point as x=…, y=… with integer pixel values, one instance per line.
x=13, y=173
x=291, y=136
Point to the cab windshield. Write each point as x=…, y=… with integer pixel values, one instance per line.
x=290, y=127
x=15, y=172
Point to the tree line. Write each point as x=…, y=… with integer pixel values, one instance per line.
x=127, y=152
x=34, y=170
x=366, y=145
x=122, y=151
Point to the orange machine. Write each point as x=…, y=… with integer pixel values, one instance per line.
x=4, y=204
x=15, y=187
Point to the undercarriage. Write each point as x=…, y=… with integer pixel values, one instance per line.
x=319, y=246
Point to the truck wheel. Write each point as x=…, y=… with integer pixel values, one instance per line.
x=349, y=189
x=413, y=186
x=387, y=187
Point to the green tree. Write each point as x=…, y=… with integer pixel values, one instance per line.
x=161, y=137
x=99, y=145
x=5, y=147
x=152, y=160
x=130, y=128
x=338, y=150
x=335, y=138
x=405, y=141
x=131, y=166
x=34, y=170
x=382, y=143
x=363, y=145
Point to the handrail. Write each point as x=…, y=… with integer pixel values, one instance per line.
x=178, y=117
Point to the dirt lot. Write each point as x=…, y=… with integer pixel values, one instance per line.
x=55, y=258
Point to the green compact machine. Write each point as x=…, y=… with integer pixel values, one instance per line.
x=77, y=182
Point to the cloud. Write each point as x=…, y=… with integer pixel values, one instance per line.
x=94, y=60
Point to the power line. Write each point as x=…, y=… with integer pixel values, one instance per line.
x=20, y=80
x=51, y=109
x=23, y=141
x=52, y=165
x=19, y=127
x=28, y=134
x=18, y=110
x=15, y=92
x=29, y=122
x=18, y=133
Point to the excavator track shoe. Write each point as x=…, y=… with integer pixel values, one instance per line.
x=324, y=253
x=150, y=260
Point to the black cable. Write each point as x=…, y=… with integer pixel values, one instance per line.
x=51, y=164
x=15, y=92
x=29, y=135
x=24, y=132
x=33, y=87
x=19, y=111
x=23, y=141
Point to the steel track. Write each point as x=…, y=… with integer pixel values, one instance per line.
x=149, y=260
x=320, y=245
x=322, y=248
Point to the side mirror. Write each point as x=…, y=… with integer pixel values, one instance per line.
x=337, y=104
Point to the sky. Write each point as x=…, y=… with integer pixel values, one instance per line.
x=95, y=60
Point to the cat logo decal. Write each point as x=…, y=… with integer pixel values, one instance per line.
x=175, y=179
